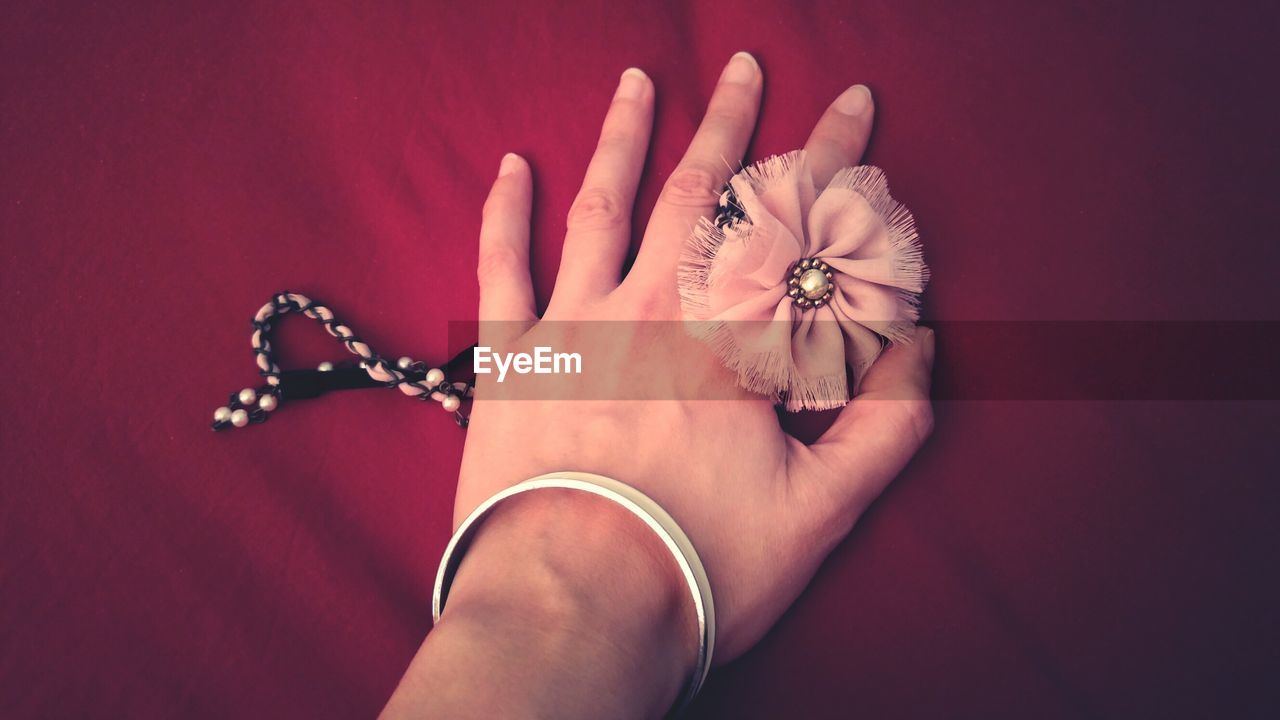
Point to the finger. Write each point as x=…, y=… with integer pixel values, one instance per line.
x=713, y=156
x=506, y=291
x=840, y=137
x=599, y=223
x=875, y=435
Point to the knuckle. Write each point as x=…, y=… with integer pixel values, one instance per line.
x=497, y=262
x=827, y=143
x=499, y=199
x=721, y=117
x=916, y=418
x=647, y=301
x=653, y=306
x=692, y=185
x=613, y=141
x=623, y=106
x=596, y=209
x=622, y=125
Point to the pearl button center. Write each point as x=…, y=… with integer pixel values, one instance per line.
x=811, y=283
x=814, y=284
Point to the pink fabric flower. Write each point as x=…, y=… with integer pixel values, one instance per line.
x=789, y=285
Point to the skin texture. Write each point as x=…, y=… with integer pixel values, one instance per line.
x=564, y=606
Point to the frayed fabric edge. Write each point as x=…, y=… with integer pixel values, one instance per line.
x=823, y=393
x=762, y=373
x=760, y=175
x=870, y=182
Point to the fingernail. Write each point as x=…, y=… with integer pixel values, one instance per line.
x=742, y=69
x=927, y=345
x=510, y=163
x=854, y=101
x=632, y=84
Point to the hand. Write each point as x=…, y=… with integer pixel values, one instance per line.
x=761, y=508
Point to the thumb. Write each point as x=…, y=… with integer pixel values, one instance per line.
x=876, y=434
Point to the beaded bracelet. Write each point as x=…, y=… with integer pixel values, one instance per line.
x=413, y=378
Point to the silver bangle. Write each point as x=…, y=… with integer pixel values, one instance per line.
x=639, y=505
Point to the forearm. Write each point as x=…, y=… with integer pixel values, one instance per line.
x=564, y=606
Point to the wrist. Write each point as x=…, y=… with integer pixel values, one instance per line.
x=583, y=568
x=585, y=595
x=578, y=549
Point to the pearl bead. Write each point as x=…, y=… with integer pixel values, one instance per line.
x=240, y=418
x=814, y=284
x=247, y=396
x=222, y=414
x=404, y=362
x=325, y=366
x=268, y=402
x=435, y=376
x=451, y=403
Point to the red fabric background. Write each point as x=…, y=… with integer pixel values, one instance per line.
x=166, y=168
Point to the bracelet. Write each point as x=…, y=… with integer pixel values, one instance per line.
x=413, y=378
x=639, y=505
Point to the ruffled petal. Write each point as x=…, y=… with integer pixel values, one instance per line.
x=884, y=230
x=780, y=187
x=885, y=310
x=751, y=259
x=861, y=348
x=843, y=224
x=817, y=372
x=758, y=351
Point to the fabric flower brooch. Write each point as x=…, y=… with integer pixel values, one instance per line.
x=789, y=285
